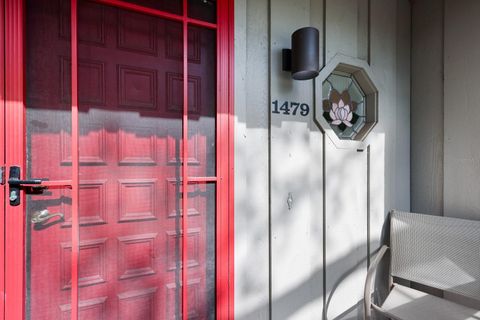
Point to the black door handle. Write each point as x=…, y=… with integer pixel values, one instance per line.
x=15, y=184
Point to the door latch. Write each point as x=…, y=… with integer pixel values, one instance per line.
x=15, y=184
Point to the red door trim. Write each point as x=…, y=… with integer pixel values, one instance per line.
x=157, y=13
x=225, y=221
x=2, y=159
x=75, y=160
x=231, y=156
x=185, y=165
x=15, y=155
x=14, y=151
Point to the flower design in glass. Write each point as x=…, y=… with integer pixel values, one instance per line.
x=344, y=105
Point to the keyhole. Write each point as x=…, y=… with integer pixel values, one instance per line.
x=13, y=195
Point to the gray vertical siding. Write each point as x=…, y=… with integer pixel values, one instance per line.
x=461, y=109
x=445, y=112
x=296, y=170
x=427, y=107
x=279, y=252
x=251, y=160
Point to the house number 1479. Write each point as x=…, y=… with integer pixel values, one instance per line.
x=290, y=108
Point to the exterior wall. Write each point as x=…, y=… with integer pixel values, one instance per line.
x=291, y=263
x=296, y=171
x=251, y=160
x=445, y=152
x=445, y=95
x=427, y=139
x=461, y=112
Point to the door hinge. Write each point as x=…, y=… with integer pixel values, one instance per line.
x=2, y=175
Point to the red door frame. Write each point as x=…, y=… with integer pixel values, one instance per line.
x=14, y=152
x=2, y=160
x=12, y=113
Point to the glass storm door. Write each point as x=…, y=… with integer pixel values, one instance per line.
x=125, y=203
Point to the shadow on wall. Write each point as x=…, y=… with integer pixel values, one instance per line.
x=292, y=303
x=250, y=263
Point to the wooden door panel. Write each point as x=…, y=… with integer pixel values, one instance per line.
x=93, y=206
x=202, y=106
x=88, y=309
x=93, y=145
x=130, y=85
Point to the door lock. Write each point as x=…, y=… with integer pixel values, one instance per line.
x=15, y=184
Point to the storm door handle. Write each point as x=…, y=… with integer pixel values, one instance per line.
x=15, y=184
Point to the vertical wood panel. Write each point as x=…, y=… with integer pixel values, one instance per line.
x=461, y=112
x=251, y=159
x=427, y=142
x=346, y=179
x=390, y=152
x=346, y=231
x=296, y=172
x=402, y=102
x=347, y=19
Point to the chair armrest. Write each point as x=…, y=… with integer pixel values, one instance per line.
x=367, y=299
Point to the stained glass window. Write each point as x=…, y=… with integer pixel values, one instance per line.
x=344, y=105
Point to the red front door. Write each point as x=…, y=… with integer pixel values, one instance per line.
x=120, y=253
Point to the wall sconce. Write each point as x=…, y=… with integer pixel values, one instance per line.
x=303, y=59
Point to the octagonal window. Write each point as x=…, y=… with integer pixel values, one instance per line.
x=343, y=105
x=349, y=102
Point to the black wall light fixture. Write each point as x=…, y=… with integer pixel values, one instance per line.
x=303, y=59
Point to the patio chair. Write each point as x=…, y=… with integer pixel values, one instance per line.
x=437, y=252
